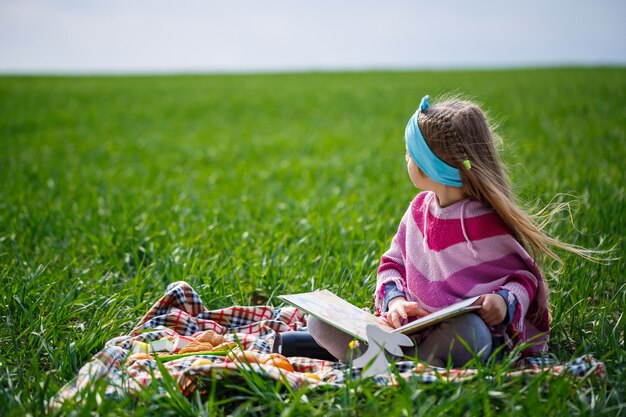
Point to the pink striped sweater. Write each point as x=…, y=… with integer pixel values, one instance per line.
x=442, y=255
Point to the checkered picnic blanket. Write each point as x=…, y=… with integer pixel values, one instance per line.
x=180, y=312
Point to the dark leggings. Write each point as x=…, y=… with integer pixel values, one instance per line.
x=443, y=343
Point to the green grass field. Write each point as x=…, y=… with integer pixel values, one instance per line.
x=249, y=186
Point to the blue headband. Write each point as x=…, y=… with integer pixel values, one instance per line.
x=436, y=169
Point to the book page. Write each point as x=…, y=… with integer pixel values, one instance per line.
x=456, y=309
x=336, y=311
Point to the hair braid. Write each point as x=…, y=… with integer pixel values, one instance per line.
x=450, y=147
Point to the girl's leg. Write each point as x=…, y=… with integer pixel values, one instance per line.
x=445, y=341
x=330, y=338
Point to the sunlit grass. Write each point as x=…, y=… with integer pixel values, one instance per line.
x=252, y=186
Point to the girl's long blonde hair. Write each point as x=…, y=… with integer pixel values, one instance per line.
x=456, y=131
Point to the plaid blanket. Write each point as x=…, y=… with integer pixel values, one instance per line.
x=180, y=313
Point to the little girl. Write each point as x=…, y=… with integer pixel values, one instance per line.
x=463, y=236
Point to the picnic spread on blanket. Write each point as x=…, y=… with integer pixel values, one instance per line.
x=178, y=335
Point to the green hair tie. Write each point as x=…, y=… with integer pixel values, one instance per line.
x=467, y=164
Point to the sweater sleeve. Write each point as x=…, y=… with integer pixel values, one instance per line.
x=391, y=269
x=511, y=304
x=391, y=292
x=523, y=285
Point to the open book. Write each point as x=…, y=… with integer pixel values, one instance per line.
x=347, y=317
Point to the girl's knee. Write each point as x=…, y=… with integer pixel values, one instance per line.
x=313, y=324
x=470, y=324
x=318, y=328
x=333, y=340
x=461, y=338
x=473, y=333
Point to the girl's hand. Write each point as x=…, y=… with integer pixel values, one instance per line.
x=400, y=308
x=493, y=309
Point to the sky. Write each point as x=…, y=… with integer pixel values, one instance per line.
x=141, y=36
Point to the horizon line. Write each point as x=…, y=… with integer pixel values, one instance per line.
x=306, y=70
